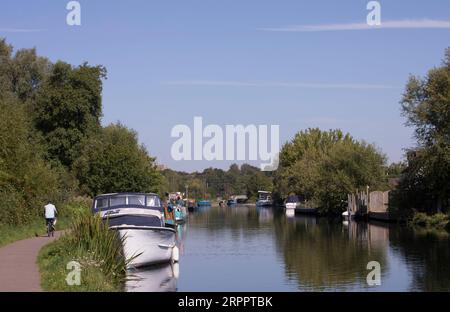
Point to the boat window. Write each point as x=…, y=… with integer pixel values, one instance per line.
x=153, y=201
x=134, y=220
x=118, y=200
x=101, y=203
x=292, y=199
x=136, y=200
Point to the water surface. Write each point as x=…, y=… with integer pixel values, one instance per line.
x=260, y=249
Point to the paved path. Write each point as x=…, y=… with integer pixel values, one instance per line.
x=18, y=264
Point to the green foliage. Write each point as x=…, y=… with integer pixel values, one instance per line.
x=395, y=170
x=95, y=247
x=426, y=105
x=438, y=220
x=92, y=234
x=68, y=108
x=26, y=180
x=35, y=225
x=51, y=120
x=113, y=161
x=23, y=73
x=324, y=166
x=212, y=182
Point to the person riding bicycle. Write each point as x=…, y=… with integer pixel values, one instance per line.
x=50, y=214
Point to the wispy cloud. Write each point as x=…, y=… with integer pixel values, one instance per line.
x=274, y=84
x=394, y=24
x=20, y=30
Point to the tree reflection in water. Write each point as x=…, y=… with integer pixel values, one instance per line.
x=427, y=256
x=325, y=255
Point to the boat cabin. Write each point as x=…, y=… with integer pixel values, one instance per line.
x=131, y=209
x=127, y=200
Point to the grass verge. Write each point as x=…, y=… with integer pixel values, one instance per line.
x=37, y=226
x=98, y=252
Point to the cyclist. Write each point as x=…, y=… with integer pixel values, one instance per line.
x=50, y=216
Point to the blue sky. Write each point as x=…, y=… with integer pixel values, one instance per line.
x=243, y=62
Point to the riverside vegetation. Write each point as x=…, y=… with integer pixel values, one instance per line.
x=97, y=250
x=53, y=147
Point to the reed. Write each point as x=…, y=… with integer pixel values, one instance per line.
x=91, y=243
x=91, y=234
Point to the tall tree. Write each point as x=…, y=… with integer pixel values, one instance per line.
x=426, y=106
x=324, y=166
x=113, y=161
x=68, y=108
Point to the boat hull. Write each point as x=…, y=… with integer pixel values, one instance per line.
x=263, y=203
x=147, y=246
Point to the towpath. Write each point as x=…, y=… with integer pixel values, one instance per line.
x=18, y=264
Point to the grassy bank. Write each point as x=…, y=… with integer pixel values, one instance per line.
x=438, y=221
x=12, y=233
x=98, y=251
x=37, y=226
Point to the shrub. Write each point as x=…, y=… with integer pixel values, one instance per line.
x=438, y=220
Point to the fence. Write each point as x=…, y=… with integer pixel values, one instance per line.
x=373, y=205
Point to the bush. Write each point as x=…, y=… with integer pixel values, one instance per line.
x=26, y=180
x=439, y=220
x=79, y=205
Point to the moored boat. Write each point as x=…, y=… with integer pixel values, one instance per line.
x=231, y=202
x=264, y=199
x=204, y=203
x=291, y=205
x=139, y=219
x=177, y=205
x=191, y=204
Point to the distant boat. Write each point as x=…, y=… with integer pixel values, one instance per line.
x=180, y=213
x=291, y=204
x=231, y=202
x=204, y=203
x=191, y=204
x=139, y=218
x=240, y=199
x=176, y=203
x=264, y=199
x=347, y=216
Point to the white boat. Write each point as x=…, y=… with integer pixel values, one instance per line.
x=347, y=216
x=291, y=202
x=264, y=199
x=139, y=218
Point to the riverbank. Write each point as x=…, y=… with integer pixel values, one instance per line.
x=438, y=221
x=37, y=227
x=97, y=253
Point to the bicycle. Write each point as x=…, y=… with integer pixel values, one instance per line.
x=50, y=227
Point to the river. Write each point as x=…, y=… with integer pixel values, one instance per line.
x=260, y=249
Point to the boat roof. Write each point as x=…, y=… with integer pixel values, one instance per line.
x=126, y=193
